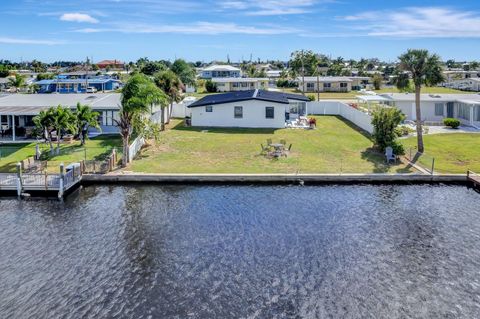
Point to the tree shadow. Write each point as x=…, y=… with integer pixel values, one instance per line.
x=375, y=157
x=223, y=130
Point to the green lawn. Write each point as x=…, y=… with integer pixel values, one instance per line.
x=453, y=153
x=335, y=146
x=96, y=149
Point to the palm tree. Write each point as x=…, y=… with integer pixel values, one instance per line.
x=171, y=84
x=63, y=120
x=138, y=94
x=44, y=123
x=17, y=82
x=85, y=118
x=425, y=69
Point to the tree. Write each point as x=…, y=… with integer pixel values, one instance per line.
x=184, y=71
x=303, y=62
x=385, y=120
x=17, y=82
x=425, y=69
x=377, y=81
x=44, y=123
x=138, y=95
x=4, y=71
x=85, y=117
x=62, y=120
x=45, y=76
x=171, y=84
x=210, y=86
x=152, y=67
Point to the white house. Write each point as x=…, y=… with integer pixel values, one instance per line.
x=452, y=75
x=331, y=83
x=436, y=107
x=220, y=71
x=470, y=84
x=255, y=108
x=240, y=84
x=17, y=110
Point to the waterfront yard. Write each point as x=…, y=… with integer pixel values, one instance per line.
x=453, y=153
x=97, y=148
x=335, y=146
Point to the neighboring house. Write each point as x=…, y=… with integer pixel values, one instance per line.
x=436, y=107
x=471, y=84
x=256, y=108
x=333, y=83
x=240, y=84
x=452, y=75
x=220, y=71
x=79, y=85
x=274, y=74
x=21, y=108
x=111, y=64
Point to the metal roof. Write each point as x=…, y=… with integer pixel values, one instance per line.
x=54, y=81
x=410, y=97
x=31, y=104
x=262, y=95
x=372, y=98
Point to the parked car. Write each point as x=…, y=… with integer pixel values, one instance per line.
x=91, y=90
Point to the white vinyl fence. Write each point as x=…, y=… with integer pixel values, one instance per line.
x=135, y=147
x=359, y=118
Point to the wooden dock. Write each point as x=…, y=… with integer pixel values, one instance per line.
x=25, y=183
x=474, y=179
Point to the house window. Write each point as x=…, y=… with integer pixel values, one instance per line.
x=310, y=85
x=327, y=85
x=244, y=85
x=238, y=112
x=438, y=109
x=269, y=112
x=464, y=111
x=343, y=85
x=476, y=114
x=208, y=108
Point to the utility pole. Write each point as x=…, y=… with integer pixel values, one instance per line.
x=303, y=74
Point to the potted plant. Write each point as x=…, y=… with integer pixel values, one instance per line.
x=312, y=122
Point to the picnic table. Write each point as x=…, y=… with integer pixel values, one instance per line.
x=278, y=149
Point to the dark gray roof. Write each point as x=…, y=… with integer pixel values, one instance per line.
x=262, y=95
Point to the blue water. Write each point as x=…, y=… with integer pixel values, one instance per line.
x=243, y=252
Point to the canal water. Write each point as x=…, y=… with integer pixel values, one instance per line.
x=243, y=252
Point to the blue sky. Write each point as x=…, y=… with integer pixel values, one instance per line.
x=52, y=30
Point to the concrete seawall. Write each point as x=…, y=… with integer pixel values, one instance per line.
x=274, y=178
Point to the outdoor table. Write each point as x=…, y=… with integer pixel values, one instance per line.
x=278, y=149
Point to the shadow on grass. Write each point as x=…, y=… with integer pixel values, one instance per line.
x=352, y=126
x=223, y=130
x=375, y=157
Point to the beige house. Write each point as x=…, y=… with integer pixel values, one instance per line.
x=453, y=75
x=240, y=84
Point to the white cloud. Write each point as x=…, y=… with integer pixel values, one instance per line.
x=207, y=28
x=7, y=40
x=271, y=7
x=78, y=17
x=417, y=22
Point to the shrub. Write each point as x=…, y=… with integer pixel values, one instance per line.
x=453, y=123
x=403, y=130
x=210, y=87
x=397, y=148
x=385, y=121
x=311, y=97
x=312, y=121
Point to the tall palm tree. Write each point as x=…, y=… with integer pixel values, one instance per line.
x=17, y=82
x=85, y=117
x=63, y=120
x=425, y=69
x=44, y=123
x=138, y=94
x=171, y=84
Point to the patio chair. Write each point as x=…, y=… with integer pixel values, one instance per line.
x=265, y=149
x=269, y=141
x=287, y=151
x=389, y=155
